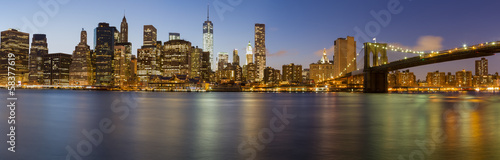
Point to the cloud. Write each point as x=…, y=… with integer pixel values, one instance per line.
x=329, y=52
x=425, y=43
x=280, y=53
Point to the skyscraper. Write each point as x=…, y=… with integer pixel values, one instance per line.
x=249, y=54
x=149, y=35
x=482, y=67
x=124, y=31
x=104, y=50
x=56, y=69
x=236, y=57
x=81, y=66
x=16, y=42
x=148, y=56
x=260, y=49
x=344, y=56
x=208, y=38
x=38, y=50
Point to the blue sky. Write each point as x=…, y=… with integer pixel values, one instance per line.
x=296, y=30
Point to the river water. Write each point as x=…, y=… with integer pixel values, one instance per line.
x=102, y=125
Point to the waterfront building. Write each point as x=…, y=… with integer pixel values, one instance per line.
x=344, y=56
x=482, y=67
x=175, y=58
x=16, y=42
x=39, y=48
x=81, y=70
x=292, y=73
x=272, y=76
x=321, y=71
x=436, y=79
x=464, y=78
x=56, y=69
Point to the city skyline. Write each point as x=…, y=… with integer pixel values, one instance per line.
x=235, y=28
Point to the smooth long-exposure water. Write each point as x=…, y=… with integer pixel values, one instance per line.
x=101, y=125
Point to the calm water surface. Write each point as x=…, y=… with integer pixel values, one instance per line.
x=284, y=126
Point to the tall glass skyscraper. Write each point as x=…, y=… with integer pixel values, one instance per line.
x=208, y=39
x=104, y=50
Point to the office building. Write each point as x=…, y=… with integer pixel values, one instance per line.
x=222, y=60
x=56, y=69
x=122, y=60
x=175, y=58
x=150, y=35
x=236, y=57
x=81, y=70
x=16, y=42
x=208, y=39
x=321, y=71
x=104, y=52
x=39, y=48
x=260, y=49
x=344, y=56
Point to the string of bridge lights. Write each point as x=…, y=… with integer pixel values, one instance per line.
x=421, y=53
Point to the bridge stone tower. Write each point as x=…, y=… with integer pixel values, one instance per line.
x=375, y=80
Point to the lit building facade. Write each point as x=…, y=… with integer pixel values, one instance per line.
x=464, y=78
x=175, y=58
x=236, y=57
x=208, y=39
x=81, y=70
x=402, y=79
x=344, y=56
x=260, y=50
x=150, y=35
x=222, y=60
x=482, y=67
x=39, y=48
x=436, y=79
x=249, y=54
x=122, y=60
x=174, y=36
x=56, y=69
x=104, y=52
x=292, y=73
x=321, y=71
x=16, y=42
x=271, y=76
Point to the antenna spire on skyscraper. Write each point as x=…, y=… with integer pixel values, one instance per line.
x=208, y=12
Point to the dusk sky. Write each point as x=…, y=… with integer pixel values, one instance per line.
x=295, y=30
